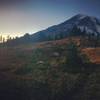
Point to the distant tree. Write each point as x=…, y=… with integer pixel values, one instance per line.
x=75, y=31
x=8, y=37
x=97, y=40
x=84, y=32
x=26, y=35
x=83, y=38
x=53, y=37
x=1, y=38
x=26, y=38
x=57, y=37
x=61, y=35
x=50, y=38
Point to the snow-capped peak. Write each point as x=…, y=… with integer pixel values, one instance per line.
x=80, y=16
x=91, y=24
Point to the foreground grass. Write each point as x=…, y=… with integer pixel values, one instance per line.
x=42, y=74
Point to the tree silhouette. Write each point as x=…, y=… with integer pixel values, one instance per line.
x=75, y=31
x=74, y=59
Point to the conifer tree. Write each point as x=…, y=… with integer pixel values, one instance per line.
x=74, y=59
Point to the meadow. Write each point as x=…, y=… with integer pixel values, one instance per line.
x=50, y=71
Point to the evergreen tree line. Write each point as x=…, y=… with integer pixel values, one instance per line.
x=87, y=39
x=4, y=39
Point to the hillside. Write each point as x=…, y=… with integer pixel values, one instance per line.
x=39, y=71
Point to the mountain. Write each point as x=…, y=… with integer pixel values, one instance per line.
x=89, y=23
x=79, y=24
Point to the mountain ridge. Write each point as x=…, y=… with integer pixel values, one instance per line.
x=77, y=25
x=90, y=23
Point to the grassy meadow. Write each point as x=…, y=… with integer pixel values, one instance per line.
x=54, y=70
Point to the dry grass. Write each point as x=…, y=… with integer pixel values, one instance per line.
x=13, y=58
x=93, y=54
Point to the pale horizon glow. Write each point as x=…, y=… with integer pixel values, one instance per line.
x=12, y=36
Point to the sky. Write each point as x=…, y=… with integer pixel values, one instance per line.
x=18, y=17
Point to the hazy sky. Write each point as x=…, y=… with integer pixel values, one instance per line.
x=22, y=16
